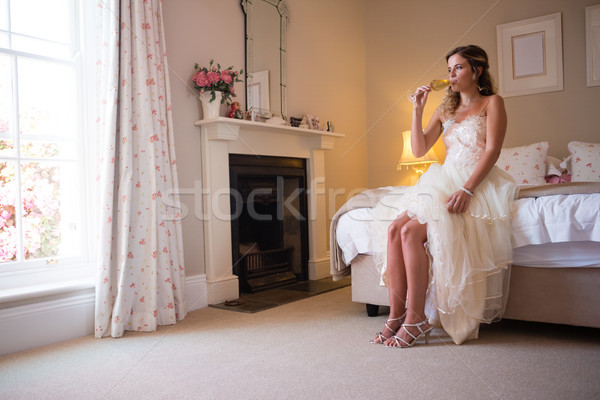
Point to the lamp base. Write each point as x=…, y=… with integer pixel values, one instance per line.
x=419, y=168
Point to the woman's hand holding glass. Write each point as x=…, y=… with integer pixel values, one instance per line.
x=439, y=83
x=419, y=97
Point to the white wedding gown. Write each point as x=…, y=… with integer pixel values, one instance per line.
x=469, y=253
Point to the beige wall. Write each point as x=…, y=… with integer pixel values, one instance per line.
x=196, y=31
x=405, y=46
x=326, y=77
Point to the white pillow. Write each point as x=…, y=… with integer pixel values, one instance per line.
x=526, y=164
x=585, y=161
x=566, y=164
x=554, y=166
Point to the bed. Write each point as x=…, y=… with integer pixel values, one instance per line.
x=555, y=276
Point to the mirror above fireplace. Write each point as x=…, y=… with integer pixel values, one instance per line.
x=266, y=46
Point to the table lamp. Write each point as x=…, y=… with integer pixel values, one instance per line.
x=408, y=159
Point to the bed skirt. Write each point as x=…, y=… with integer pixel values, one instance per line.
x=554, y=295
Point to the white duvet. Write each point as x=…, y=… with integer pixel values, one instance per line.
x=550, y=231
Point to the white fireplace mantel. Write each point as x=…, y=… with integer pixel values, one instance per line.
x=223, y=136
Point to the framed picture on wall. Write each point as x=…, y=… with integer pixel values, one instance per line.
x=530, y=56
x=592, y=40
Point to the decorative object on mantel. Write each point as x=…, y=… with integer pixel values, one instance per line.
x=211, y=104
x=236, y=112
x=304, y=123
x=276, y=120
x=408, y=159
x=295, y=122
x=257, y=115
x=215, y=87
x=313, y=122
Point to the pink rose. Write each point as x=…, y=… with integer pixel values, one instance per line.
x=27, y=204
x=201, y=79
x=226, y=77
x=214, y=77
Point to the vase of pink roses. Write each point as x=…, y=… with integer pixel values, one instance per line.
x=215, y=86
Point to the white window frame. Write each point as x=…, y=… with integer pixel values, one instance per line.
x=33, y=278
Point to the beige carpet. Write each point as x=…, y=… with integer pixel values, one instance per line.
x=315, y=348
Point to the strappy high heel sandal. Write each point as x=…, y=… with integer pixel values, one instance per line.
x=403, y=343
x=379, y=335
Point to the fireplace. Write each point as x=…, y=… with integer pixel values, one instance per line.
x=221, y=137
x=269, y=232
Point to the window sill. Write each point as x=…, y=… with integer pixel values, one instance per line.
x=9, y=295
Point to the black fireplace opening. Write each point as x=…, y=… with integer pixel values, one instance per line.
x=269, y=228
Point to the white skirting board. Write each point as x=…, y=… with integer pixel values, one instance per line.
x=51, y=321
x=195, y=292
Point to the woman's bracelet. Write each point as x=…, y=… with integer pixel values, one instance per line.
x=467, y=191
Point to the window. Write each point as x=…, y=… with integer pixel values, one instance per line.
x=43, y=143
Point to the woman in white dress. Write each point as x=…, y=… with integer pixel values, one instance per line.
x=445, y=242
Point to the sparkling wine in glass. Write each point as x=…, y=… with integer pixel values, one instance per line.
x=436, y=84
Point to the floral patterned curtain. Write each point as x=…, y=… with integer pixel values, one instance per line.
x=140, y=281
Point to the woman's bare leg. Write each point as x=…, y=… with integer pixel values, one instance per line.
x=396, y=276
x=416, y=269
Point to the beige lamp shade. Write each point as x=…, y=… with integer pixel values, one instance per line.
x=408, y=159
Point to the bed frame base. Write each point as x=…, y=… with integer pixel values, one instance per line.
x=568, y=296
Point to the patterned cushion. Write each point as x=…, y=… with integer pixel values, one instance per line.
x=526, y=164
x=585, y=161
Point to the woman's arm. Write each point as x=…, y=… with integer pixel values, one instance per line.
x=422, y=140
x=496, y=130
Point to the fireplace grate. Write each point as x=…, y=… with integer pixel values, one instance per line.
x=267, y=269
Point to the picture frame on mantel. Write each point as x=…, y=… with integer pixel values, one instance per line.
x=530, y=56
x=592, y=39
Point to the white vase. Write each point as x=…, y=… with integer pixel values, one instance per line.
x=210, y=109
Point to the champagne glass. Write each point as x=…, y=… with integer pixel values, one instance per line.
x=436, y=84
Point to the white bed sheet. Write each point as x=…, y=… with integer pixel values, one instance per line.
x=556, y=219
x=354, y=233
x=549, y=231
x=565, y=254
